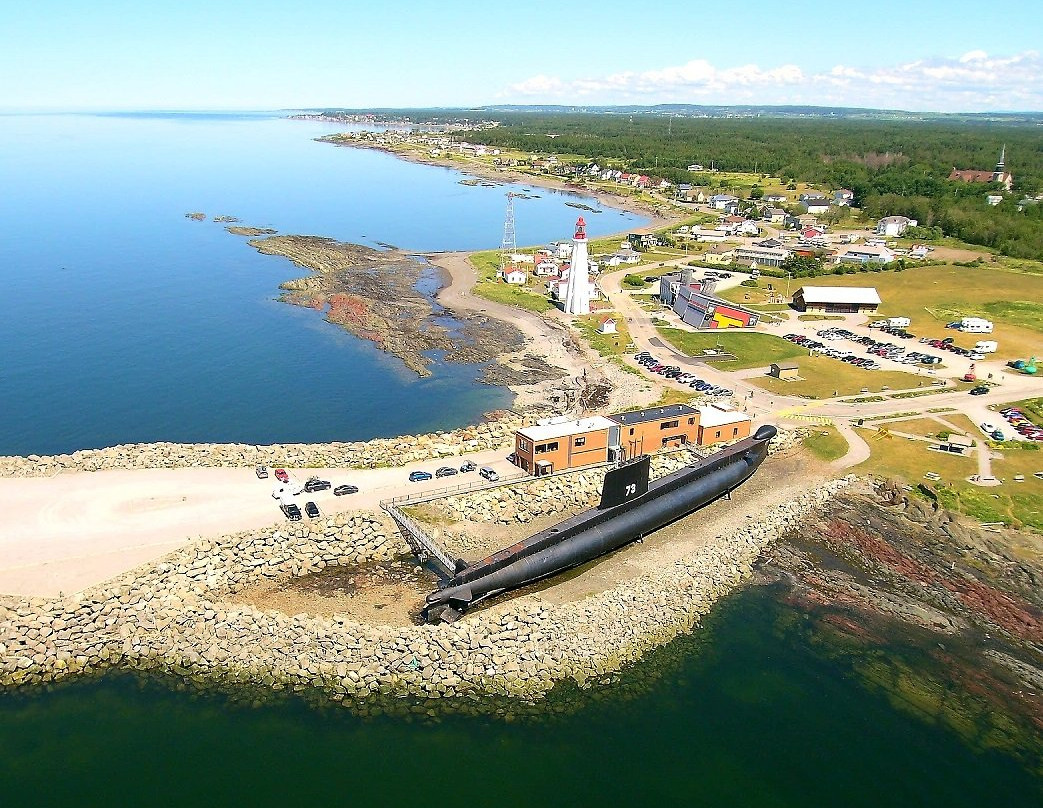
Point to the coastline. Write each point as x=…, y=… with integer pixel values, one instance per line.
x=511, y=176
x=176, y=617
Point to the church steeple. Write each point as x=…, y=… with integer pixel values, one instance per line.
x=1000, y=174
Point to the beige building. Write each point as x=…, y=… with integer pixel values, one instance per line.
x=787, y=371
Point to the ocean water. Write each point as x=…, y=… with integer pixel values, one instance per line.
x=122, y=321
x=745, y=712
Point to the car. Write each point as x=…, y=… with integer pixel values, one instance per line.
x=996, y=435
x=315, y=484
x=282, y=476
x=979, y=390
x=291, y=511
x=446, y=471
x=419, y=476
x=467, y=466
x=312, y=510
x=341, y=490
x=986, y=427
x=489, y=474
x=977, y=356
x=261, y=472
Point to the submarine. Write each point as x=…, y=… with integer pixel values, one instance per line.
x=630, y=508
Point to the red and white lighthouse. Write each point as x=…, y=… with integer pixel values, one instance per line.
x=577, y=290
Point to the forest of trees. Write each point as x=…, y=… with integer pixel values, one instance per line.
x=892, y=167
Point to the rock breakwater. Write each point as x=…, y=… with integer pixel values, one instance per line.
x=174, y=617
x=496, y=431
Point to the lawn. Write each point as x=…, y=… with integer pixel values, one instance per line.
x=604, y=344
x=1017, y=503
x=826, y=443
x=824, y=377
x=751, y=349
x=492, y=288
x=924, y=427
x=932, y=296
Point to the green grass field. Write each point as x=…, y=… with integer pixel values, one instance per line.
x=932, y=296
x=826, y=443
x=604, y=344
x=1015, y=503
x=751, y=349
x=824, y=377
x=492, y=288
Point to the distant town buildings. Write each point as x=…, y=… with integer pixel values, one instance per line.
x=999, y=174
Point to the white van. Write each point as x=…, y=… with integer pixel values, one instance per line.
x=986, y=346
x=898, y=322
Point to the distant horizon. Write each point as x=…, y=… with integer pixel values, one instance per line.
x=575, y=108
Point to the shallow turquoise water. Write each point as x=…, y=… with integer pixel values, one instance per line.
x=744, y=713
x=122, y=321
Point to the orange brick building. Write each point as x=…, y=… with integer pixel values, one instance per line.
x=557, y=445
x=649, y=430
x=718, y=424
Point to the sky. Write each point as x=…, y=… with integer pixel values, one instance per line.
x=922, y=55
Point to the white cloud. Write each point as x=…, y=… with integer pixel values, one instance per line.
x=974, y=81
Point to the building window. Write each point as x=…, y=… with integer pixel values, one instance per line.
x=691, y=422
x=735, y=431
x=718, y=433
x=524, y=445
x=631, y=430
x=668, y=424
x=581, y=442
x=546, y=447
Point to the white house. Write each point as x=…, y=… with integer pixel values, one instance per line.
x=545, y=269
x=723, y=201
x=842, y=196
x=994, y=199
x=516, y=276
x=894, y=225
x=695, y=167
x=607, y=326
x=776, y=198
x=814, y=202
x=865, y=255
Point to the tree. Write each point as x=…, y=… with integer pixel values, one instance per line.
x=756, y=192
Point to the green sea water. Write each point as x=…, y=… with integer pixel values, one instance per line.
x=750, y=710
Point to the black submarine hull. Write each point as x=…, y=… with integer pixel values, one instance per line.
x=593, y=533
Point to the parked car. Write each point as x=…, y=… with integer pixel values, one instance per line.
x=419, y=476
x=291, y=511
x=261, y=472
x=341, y=490
x=312, y=510
x=445, y=471
x=467, y=466
x=315, y=484
x=282, y=476
x=489, y=474
x=979, y=390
